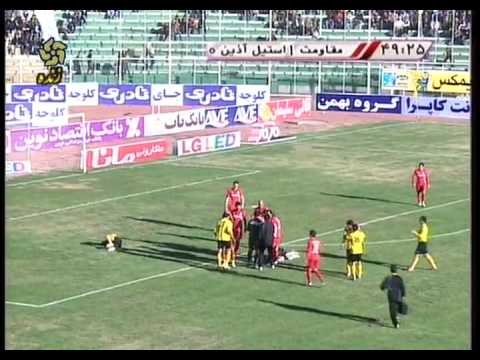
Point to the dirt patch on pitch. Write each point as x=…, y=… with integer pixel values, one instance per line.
x=57, y=185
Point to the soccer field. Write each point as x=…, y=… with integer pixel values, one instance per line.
x=164, y=292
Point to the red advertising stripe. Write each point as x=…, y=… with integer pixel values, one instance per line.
x=284, y=110
x=106, y=156
x=371, y=49
x=358, y=50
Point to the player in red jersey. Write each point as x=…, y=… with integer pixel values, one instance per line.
x=277, y=236
x=314, y=249
x=421, y=182
x=234, y=195
x=238, y=216
x=261, y=209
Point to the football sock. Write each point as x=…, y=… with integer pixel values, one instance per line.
x=360, y=269
x=432, y=262
x=349, y=270
x=319, y=275
x=414, y=263
x=309, y=276
x=219, y=258
x=228, y=256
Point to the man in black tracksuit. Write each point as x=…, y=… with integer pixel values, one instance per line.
x=254, y=228
x=395, y=293
x=266, y=242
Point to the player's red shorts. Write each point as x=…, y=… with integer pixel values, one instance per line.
x=421, y=187
x=314, y=262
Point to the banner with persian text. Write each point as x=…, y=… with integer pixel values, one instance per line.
x=333, y=50
x=93, y=94
x=436, y=106
x=122, y=154
x=455, y=82
x=385, y=104
x=72, y=134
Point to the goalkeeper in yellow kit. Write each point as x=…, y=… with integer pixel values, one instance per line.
x=224, y=236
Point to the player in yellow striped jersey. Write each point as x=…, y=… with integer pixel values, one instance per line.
x=347, y=245
x=224, y=236
x=358, y=249
x=422, y=237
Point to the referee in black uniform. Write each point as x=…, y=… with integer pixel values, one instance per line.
x=395, y=294
x=254, y=228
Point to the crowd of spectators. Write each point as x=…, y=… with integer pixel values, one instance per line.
x=74, y=19
x=394, y=22
x=190, y=23
x=23, y=32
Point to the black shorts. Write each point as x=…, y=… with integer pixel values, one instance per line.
x=421, y=249
x=223, y=244
x=356, y=257
x=349, y=255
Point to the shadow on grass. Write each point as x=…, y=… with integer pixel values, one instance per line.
x=189, y=237
x=364, y=260
x=192, y=256
x=351, y=317
x=332, y=273
x=357, y=197
x=96, y=245
x=168, y=223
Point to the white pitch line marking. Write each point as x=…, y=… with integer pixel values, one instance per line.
x=91, y=203
x=22, y=304
x=203, y=264
x=161, y=162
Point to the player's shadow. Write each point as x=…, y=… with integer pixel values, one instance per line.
x=364, y=260
x=352, y=317
x=171, y=248
x=188, y=255
x=96, y=245
x=168, y=223
x=332, y=273
x=347, y=196
x=171, y=255
x=188, y=236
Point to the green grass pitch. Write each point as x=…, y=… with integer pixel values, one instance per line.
x=164, y=291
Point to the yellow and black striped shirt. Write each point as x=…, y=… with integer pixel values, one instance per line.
x=224, y=230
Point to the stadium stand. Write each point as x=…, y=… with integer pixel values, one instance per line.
x=141, y=37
